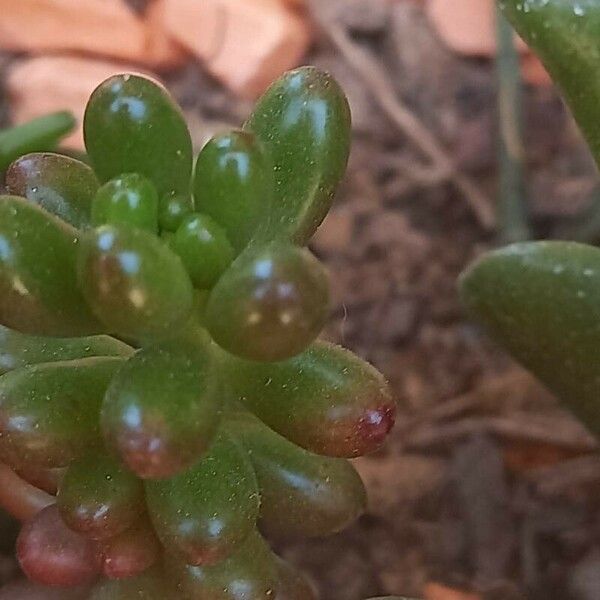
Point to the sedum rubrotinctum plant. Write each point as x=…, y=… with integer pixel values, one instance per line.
x=541, y=300
x=161, y=369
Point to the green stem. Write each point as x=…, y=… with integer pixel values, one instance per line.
x=512, y=214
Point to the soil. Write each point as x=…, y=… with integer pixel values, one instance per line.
x=485, y=485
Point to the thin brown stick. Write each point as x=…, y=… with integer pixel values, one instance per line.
x=368, y=69
x=19, y=498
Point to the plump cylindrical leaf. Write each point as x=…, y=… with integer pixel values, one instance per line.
x=541, y=301
x=203, y=248
x=250, y=574
x=292, y=585
x=62, y=185
x=135, y=284
x=172, y=209
x=270, y=304
x=51, y=554
x=132, y=125
x=98, y=497
x=205, y=514
x=130, y=553
x=151, y=585
x=234, y=184
x=326, y=399
x=49, y=413
x=36, y=135
x=566, y=36
x=21, y=350
x=302, y=494
x=38, y=285
x=303, y=120
x=129, y=199
x=162, y=409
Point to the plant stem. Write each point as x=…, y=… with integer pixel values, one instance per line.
x=513, y=223
x=19, y=498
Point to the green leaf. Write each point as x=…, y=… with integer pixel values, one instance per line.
x=566, y=36
x=38, y=287
x=270, y=304
x=59, y=184
x=172, y=209
x=541, y=302
x=162, y=409
x=250, y=574
x=234, y=184
x=21, y=350
x=129, y=200
x=292, y=584
x=302, y=494
x=326, y=400
x=151, y=585
x=49, y=412
x=134, y=283
x=132, y=125
x=99, y=498
x=203, y=248
x=206, y=513
x=303, y=120
x=37, y=135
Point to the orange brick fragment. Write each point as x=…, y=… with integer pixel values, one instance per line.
x=106, y=28
x=38, y=86
x=244, y=43
x=466, y=26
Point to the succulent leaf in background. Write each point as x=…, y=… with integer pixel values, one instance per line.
x=158, y=351
x=540, y=300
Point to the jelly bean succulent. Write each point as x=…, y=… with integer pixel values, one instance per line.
x=161, y=373
x=541, y=300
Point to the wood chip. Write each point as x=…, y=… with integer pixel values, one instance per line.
x=106, y=28
x=245, y=44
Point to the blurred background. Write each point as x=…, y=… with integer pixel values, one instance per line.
x=486, y=489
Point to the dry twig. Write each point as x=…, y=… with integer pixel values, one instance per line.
x=368, y=69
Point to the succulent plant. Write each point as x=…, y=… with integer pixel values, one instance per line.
x=160, y=367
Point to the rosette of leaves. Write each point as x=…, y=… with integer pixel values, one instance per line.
x=162, y=377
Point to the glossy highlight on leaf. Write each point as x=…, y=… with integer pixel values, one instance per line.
x=162, y=409
x=172, y=209
x=303, y=121
x=326, y=400
x=62, y=185
x=49, y=412
x=271, y=303
x=132, y=125
x=135, y=285
x=205, y=514
x=234, y=184
x=38, y=289
x=541, y=301
x=130, y=200
x=98, y=497
x=302, y=494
